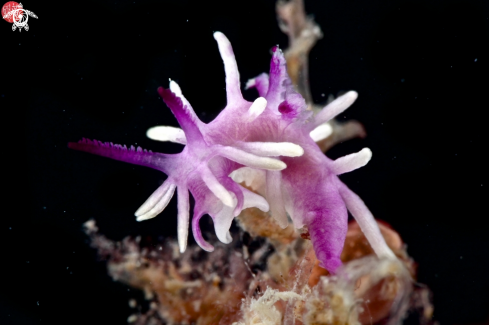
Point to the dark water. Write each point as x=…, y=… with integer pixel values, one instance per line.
x=91, y=69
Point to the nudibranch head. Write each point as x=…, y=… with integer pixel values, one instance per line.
x=272, y=138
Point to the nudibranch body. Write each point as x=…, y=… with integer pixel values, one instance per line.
x=269, y=138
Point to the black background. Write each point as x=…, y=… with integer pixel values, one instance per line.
x=91, y=69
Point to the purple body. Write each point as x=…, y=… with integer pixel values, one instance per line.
x=270, y=136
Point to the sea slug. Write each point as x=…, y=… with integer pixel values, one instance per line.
x=269, y=138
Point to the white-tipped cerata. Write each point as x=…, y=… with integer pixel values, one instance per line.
x=222, y=223
x=336, y=107
x=175, y=88
x=366, y=221
x=183, y=217
x=321, y=132
x=251, y=160
x=219, y=191
x=257, y=108
x=351, y=162
x=157, y=202
x=272, y=149
x=233, y=87
x=167, y=133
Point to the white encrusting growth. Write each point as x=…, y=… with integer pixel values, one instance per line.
x=219, y=191
x=167, y=133
x=352, y=161
x=256, y=108
x=271, y=149
x=262, y=311
x=157, y=202
x=183, y=217
x=251, y=160
x=321, y=132
x=336, y=107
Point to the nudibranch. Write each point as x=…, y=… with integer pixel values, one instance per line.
x=272, y=138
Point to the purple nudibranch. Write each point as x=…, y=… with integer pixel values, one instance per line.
x=272, y=137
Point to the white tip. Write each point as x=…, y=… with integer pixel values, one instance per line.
x=243, y=174
x=351, y=162
x=217, y=188
x=321, y=132
x=145, y=217
x=157, y=202
x=257, y=108
x=250, y=83
x=289, y=149
x=233, y=85
x=336, y=107
x=222, y=223
x=167, y=133
x=182, y=242
x=367, y=222
x=252, y=199
x=218, y=36
x=367, y=154
x=269, y=164
x=226, y=198
x=225, y=238
x=223, y=235
x=349, y=98
x=272, y=149
x=183, y=217
x=175, y=88
x=364, y=156
x=251, y=160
